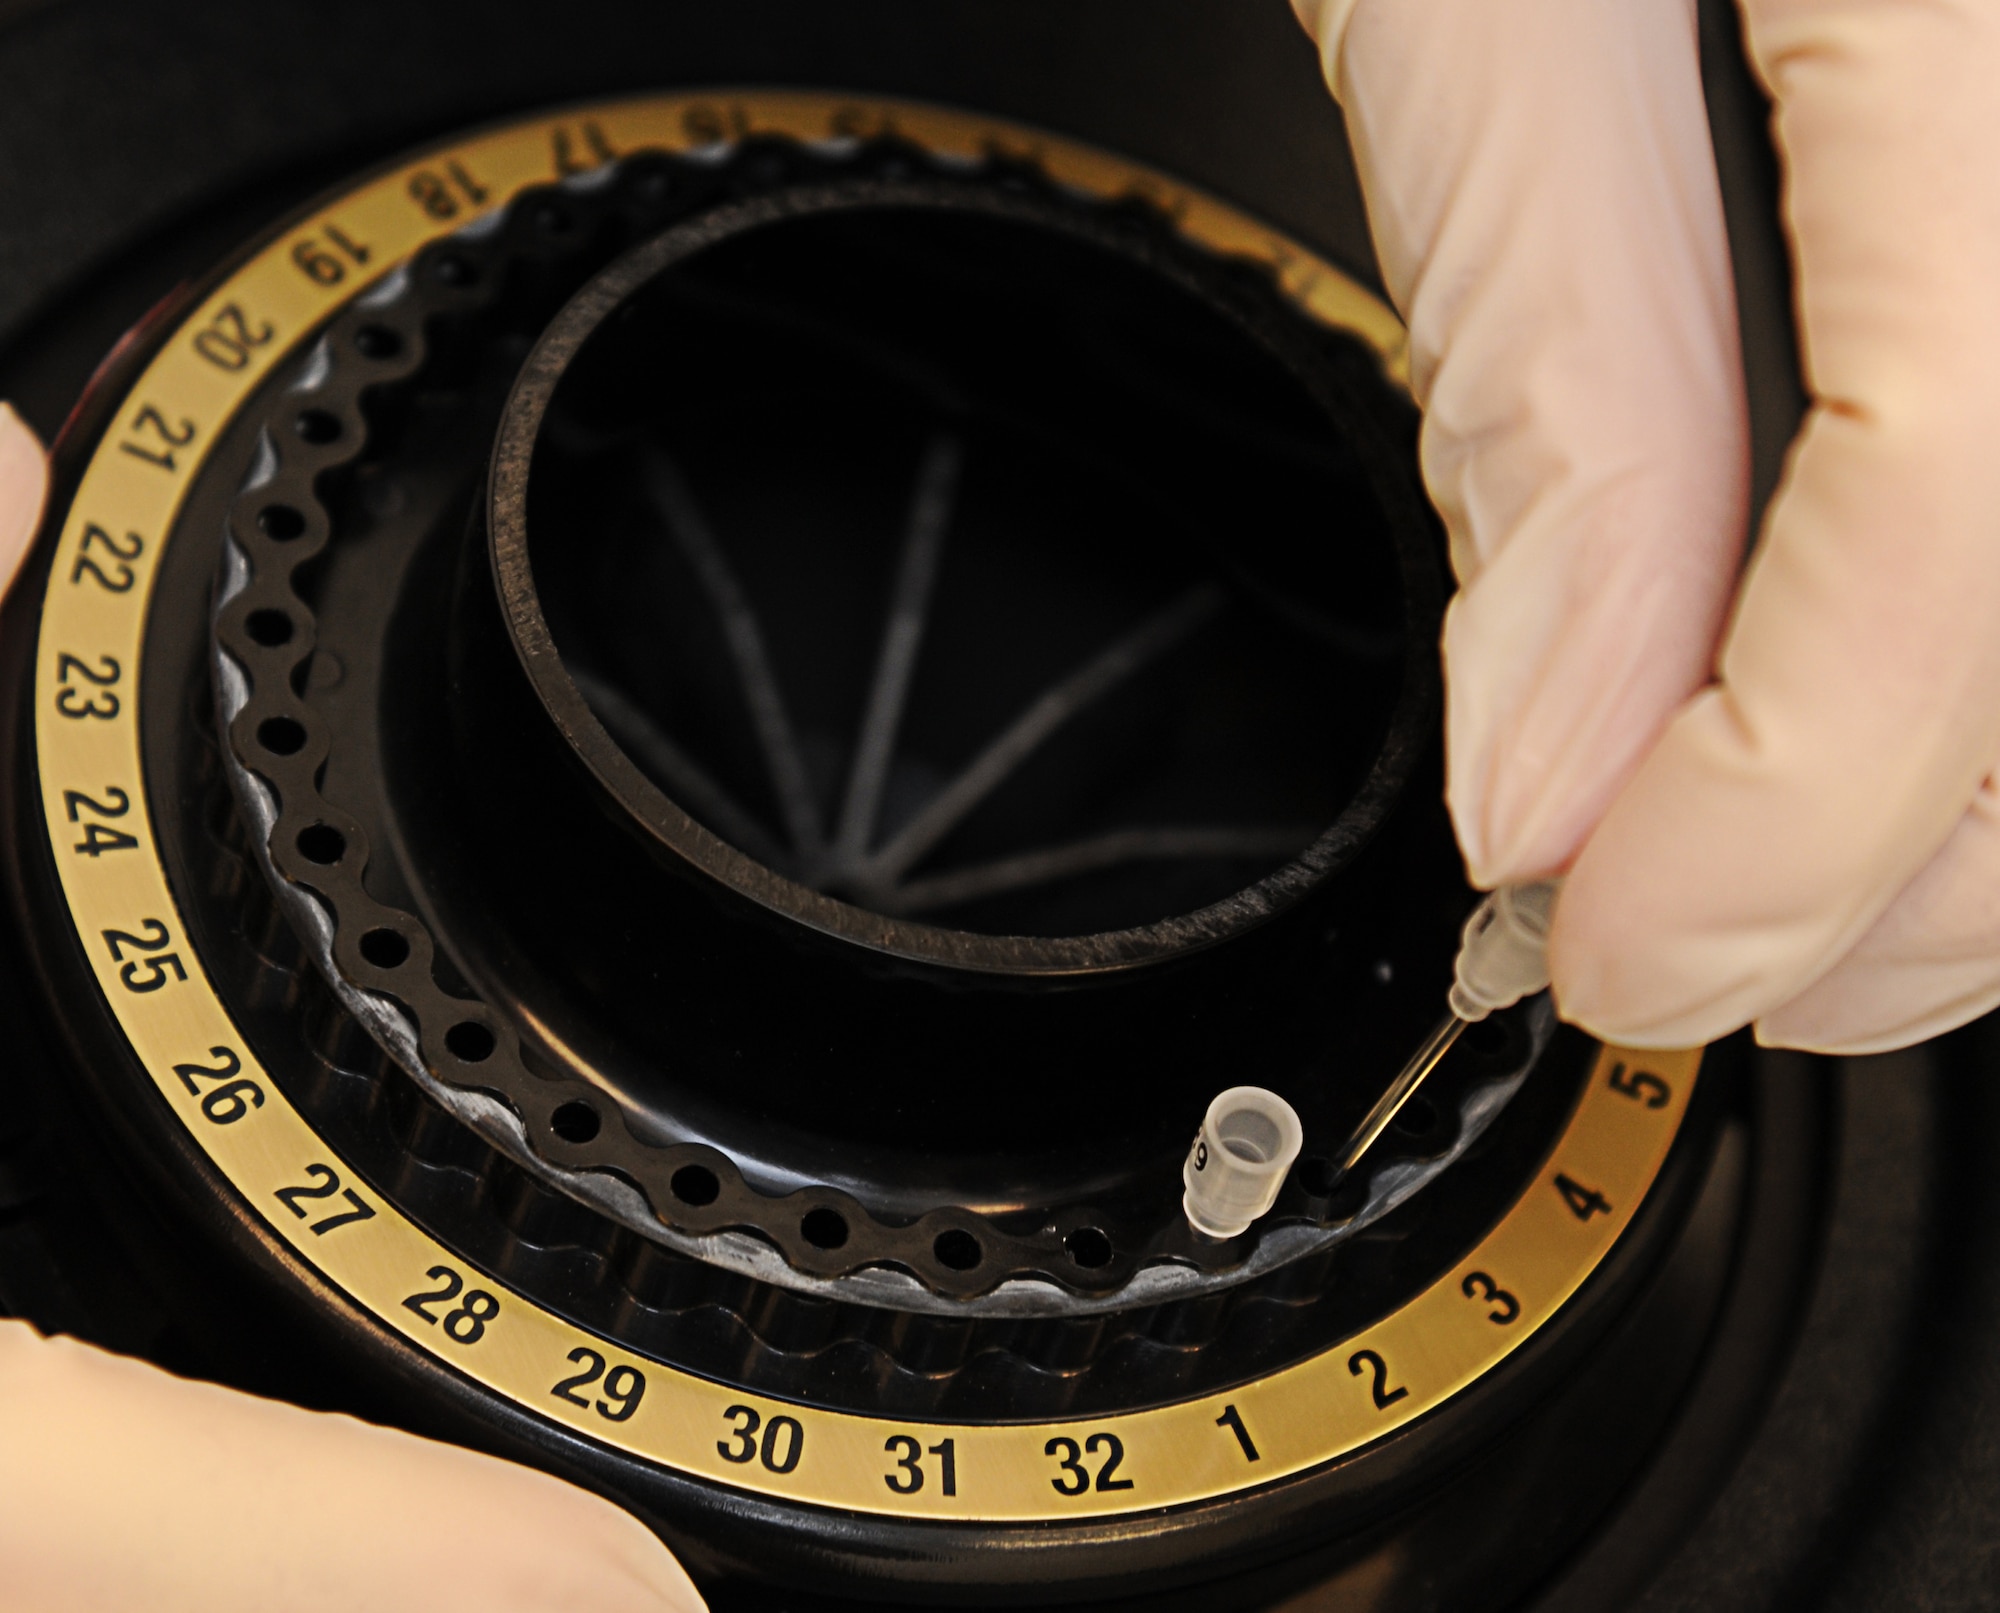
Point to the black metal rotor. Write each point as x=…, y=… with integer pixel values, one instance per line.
x=497, y=894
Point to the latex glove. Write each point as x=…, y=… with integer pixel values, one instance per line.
x=123, y=1487
x=1775, y=801
x=24, y=484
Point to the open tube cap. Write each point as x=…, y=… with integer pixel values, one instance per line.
x=1247, y=1142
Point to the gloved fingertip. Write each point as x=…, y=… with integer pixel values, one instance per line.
x=1509, y=848
x=24, y=485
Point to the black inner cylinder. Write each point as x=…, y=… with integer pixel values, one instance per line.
x=966, y=571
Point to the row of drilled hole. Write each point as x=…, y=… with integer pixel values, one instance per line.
x=468, y=1041
x=321, y=843
x=826, y=1228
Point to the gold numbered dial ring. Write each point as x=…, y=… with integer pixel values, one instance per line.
x=1483, y=1312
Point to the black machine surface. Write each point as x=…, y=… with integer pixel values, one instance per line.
x=697, y=672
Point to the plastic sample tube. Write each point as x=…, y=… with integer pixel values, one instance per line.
x=1247, y=1142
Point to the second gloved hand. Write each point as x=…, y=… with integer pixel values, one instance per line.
x=124, y=1488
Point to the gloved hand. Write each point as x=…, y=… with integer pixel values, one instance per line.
x=124, y=1488
x=1772, y=790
